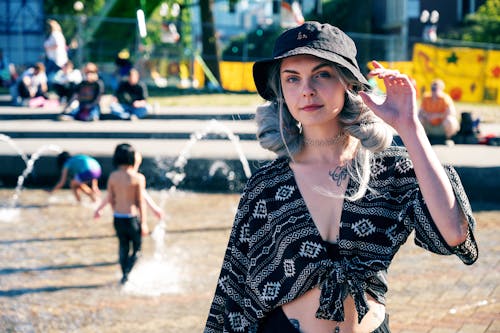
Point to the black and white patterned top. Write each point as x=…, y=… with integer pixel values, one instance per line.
x=276, y=253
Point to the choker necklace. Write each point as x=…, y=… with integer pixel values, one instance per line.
x=324, y=142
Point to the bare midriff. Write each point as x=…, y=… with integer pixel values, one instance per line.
x=304, y=309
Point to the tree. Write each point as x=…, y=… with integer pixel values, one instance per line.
x=253, y=46
x=348, y=15
x=62, y=7
x=209, y=39
x=105, y=34
x=481, y=26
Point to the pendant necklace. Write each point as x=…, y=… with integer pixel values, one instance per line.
x=337, y=328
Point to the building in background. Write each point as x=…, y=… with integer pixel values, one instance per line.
x=402, y=19
x=394, y=23
x=22, y=30
x=451, y=14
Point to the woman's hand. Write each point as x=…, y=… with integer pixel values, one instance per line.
x=399, y=109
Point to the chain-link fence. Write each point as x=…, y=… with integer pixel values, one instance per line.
x=166, y=62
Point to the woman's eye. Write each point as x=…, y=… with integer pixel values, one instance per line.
x=292, y=79
x=323, y=75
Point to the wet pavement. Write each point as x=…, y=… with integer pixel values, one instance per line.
x=59, y=271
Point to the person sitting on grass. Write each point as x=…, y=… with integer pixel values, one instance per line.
x=30, y=85
x=130, y=98
x=87, y=95
x=65, y=81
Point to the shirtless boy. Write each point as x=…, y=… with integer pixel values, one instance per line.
x=126, y=187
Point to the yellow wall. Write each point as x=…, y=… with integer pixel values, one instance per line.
x=235, y=76
x=470, y=74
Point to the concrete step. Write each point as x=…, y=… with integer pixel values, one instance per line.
x=140, y=129
x=214, y=162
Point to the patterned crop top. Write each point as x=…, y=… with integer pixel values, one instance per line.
x=276, y=253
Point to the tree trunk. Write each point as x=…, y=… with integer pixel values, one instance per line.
x=209, y=40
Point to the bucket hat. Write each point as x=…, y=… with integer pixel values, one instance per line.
x=321, y=40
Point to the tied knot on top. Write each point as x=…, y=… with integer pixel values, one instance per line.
x=337, y=280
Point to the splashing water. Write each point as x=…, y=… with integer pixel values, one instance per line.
x=466, y=307
x=222, y=167
x=153, y=277
x=177, y=174
x=10, y=212
x=29, y=168
x=8, y=140
x=158, y=274
x=158, y=236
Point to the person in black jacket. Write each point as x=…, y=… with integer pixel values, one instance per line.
x=130, y=98
x=84, y=105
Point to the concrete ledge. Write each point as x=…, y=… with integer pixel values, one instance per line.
x=201, y=174
x=213, y=162
x=482, y=184
x=217, y=175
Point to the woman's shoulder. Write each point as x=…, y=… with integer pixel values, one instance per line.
x=269, y=173
x=278, y=165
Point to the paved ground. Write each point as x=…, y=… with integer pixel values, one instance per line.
x=59, y=272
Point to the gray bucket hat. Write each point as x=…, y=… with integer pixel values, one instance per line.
x=321, y=40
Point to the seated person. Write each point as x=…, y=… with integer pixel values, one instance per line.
x=32, y=83
x=7, y=71
x=65, y=81
x=130, y=98
x=88, y=95
x=437, y=112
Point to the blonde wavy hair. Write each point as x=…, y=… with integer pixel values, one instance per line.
x=280, y=133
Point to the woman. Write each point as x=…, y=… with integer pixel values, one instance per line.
x=55, y=48
x=317, y=228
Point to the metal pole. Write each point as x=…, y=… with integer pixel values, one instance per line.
x=80, y=42
x=404, y=31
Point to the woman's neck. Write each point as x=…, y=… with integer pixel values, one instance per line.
x=339, y=153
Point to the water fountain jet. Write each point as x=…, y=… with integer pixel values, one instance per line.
x=10, y=212
x=177, y=173
x=157, y=275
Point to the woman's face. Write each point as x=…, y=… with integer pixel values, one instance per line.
x=312, y=89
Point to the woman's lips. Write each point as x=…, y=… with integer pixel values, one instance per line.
x=311, y=107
